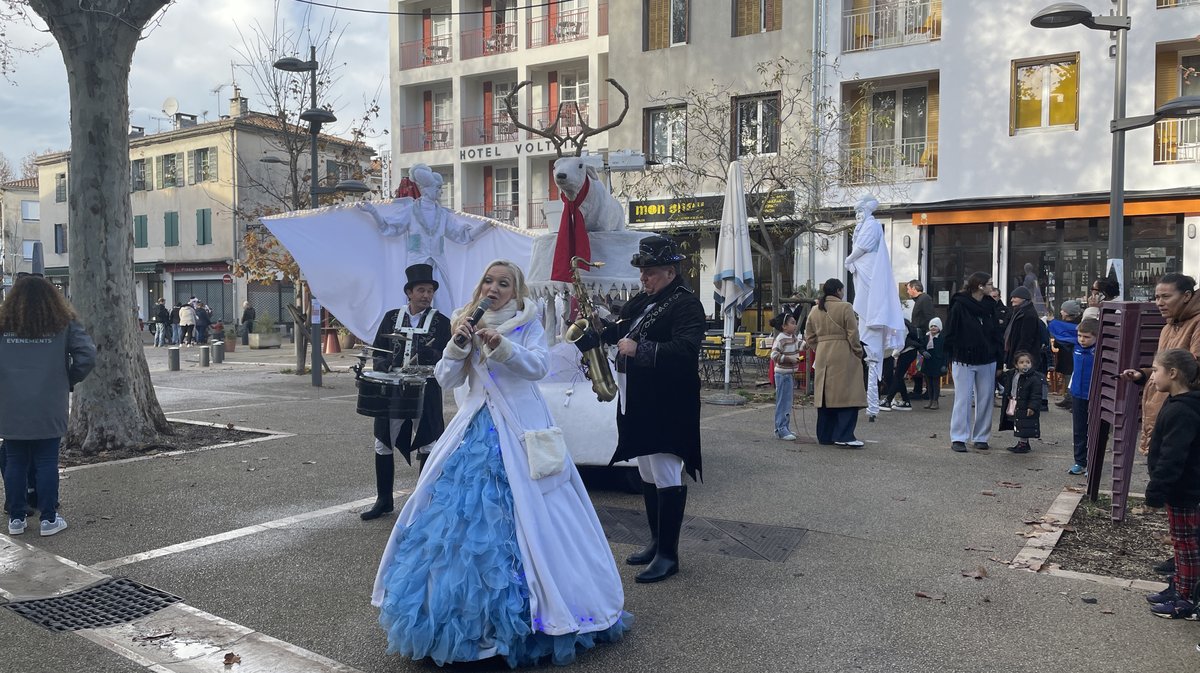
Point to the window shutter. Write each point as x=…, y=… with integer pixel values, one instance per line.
x=132, y=165
x=192, y=173
x=553, y=192
x=212, y=163
x=179, y=169
x=158, y=173
x=932, y=121
x=658, y=21
x=489, y=190
x=148, y=166
x=774, y=9
x=200, y=226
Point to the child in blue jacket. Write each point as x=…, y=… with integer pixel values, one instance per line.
x=1083, y=357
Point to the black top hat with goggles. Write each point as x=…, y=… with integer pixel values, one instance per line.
x=657, y=250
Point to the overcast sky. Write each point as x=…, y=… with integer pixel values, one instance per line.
x=189, y=55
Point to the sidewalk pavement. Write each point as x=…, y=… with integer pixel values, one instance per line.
x=263, y=543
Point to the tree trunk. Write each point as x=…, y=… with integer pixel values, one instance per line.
x=116, y=406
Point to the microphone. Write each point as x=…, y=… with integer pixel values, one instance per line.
x=484, y=305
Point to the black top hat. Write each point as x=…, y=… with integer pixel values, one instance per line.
x=656, y=250
x=419, y=273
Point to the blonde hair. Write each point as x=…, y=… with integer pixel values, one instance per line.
x=520, y=290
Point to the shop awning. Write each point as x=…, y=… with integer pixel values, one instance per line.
x=1053, y=212
x=58, y=271
x=147, y=267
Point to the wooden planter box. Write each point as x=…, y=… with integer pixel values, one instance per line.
x=271, y=340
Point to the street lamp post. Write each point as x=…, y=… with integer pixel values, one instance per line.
x=316, y=117
x=1062, y=14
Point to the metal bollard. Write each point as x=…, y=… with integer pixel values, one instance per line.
x=173, y=358
x=204, y=356
x=218, y=352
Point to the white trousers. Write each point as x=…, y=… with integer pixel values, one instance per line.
x=872, y=341
x=395, y=425
x=664, y=470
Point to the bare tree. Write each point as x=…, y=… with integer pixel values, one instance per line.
x=285, y=96
x=7, y=174
x=794, y=144
x=29, y=167
x=116, y=406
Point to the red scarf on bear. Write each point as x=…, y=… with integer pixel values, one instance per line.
x=572, y=236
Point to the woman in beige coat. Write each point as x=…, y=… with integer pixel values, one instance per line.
x=1177, y=300
x=839, y=392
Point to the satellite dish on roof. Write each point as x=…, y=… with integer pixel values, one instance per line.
x=170, y=106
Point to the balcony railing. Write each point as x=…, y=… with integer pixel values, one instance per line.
x=1177, y=141
x=892, y=161
x=488, y=130
x=568, y=121
x=1163, y=4
x=566, y=27
x=420, y=53
x=419, y=138
x=507, y=213
x=895, y=25
x=537, y=218
x=602, y=18
x=478, y=42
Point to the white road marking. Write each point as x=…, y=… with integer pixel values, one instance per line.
x=261, y=404
x=234, y=534
x=230, y=392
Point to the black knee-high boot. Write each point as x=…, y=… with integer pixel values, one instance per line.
x=671, y=503
x=385, y=475
x=646, y=555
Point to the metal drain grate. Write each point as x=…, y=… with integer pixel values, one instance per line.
x=708, y=536
x=116, y=601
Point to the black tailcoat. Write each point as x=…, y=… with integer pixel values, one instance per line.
x=662, y=406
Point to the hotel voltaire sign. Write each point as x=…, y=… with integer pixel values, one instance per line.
x=706, y=208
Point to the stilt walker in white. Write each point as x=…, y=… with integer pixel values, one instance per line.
x=876, y=299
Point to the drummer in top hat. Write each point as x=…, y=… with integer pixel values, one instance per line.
x=432, y=333
x=658, y=337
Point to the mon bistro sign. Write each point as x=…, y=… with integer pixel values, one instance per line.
x=706, y=208
x=506, y=150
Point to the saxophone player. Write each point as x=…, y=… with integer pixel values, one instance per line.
x=658, y=335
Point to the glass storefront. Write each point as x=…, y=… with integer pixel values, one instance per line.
x=956, y=252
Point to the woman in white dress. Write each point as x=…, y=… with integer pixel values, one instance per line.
x=484, y=560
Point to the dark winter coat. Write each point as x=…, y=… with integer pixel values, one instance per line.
x=922, y=312
x=161, y=315
x=36, y=377
x=429, y=350
x=662, y=405
x=1024, y=334
x=1174, y=459
x=175, y=315
x=935, y=358
x=1029, y=397
x=972, y=335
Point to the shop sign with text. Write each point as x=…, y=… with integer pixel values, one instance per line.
x=707, y=208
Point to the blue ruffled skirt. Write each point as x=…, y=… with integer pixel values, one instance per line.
x=455, y=589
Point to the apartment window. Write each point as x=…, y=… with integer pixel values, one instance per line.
x=27, y=250
x=137, y=175
x=204, y=226
x=171, y=229
x=336, y=170
x=665, y=22
x=31, y=211
x=756, y=124
x=751, y=17
x=60, y=187
x=168, y=169
x=1045, y=93
x=897, y=129
x=202, y=164
x=507, y=192
x=666, y=135
x=573, y=86
x=60, y=239
x=141, y=237
x=500, y=91
x=441, y=108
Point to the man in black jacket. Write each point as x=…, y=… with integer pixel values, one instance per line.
x=430, y=334
x=658, y=335
x=922, y=313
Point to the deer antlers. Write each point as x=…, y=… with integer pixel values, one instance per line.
x=551, y=132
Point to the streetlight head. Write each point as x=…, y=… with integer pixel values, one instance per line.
x=352, y=186
x=1061, y=14
x=293, y=64
x=1179, y=107
x=318, y=116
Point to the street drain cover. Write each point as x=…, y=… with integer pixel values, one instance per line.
x=708, y=536
x=116, y=601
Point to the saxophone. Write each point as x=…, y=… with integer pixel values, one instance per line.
x=595, y=363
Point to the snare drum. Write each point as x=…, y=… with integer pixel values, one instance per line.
x=390, y=394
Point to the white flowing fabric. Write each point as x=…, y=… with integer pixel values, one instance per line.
x=354, y=255
x=876, y=297
x=735, y=266
x=573, y=580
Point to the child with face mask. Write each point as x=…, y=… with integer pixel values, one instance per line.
x=1022, y=401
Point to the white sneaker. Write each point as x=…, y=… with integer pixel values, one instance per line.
x=789, y=437
x=51, y=527
x=853, y=443
x=16, y=526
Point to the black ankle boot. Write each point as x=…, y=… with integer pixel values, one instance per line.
x=385, y=475
x=671, y=503
x=646, y=555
